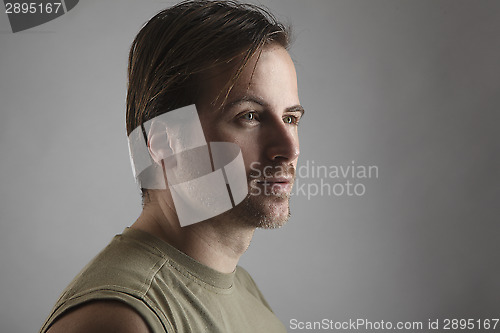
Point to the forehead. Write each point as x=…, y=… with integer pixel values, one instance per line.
x=268, y=75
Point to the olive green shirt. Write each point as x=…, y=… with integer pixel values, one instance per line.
x=170, y=290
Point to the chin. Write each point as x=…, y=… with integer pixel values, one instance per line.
x=266, y=212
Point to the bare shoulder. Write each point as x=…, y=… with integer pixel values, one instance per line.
x=101, y=317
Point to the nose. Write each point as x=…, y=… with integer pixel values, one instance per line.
x=283, y=142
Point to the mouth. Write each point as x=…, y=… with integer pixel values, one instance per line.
x=275, y=186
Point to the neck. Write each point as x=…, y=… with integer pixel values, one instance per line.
x=217, y=243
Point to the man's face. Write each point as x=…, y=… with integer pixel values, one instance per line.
x=260, y=115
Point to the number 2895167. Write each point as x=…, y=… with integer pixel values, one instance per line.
x=470, y=324
x=33, y=8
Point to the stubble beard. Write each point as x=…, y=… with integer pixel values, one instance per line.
x=264, y=212
x=265, y=209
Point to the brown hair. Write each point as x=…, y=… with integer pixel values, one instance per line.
x=182, y=42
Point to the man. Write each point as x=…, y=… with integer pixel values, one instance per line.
x=229, y=61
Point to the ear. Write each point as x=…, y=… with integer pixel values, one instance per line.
x=159, y=142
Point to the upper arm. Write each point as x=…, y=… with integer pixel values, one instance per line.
x=101, y=317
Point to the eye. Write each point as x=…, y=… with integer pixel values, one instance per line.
x=291, y=120
x=249, y=116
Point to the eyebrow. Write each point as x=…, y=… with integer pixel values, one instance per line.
x=261, y=102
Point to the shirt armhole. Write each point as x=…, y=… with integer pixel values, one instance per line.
x=151, y=315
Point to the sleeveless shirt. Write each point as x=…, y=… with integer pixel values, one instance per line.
x=170, y=290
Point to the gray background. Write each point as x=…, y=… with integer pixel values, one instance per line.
x=409, y=86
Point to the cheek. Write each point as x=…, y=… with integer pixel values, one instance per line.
x=249, y=150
